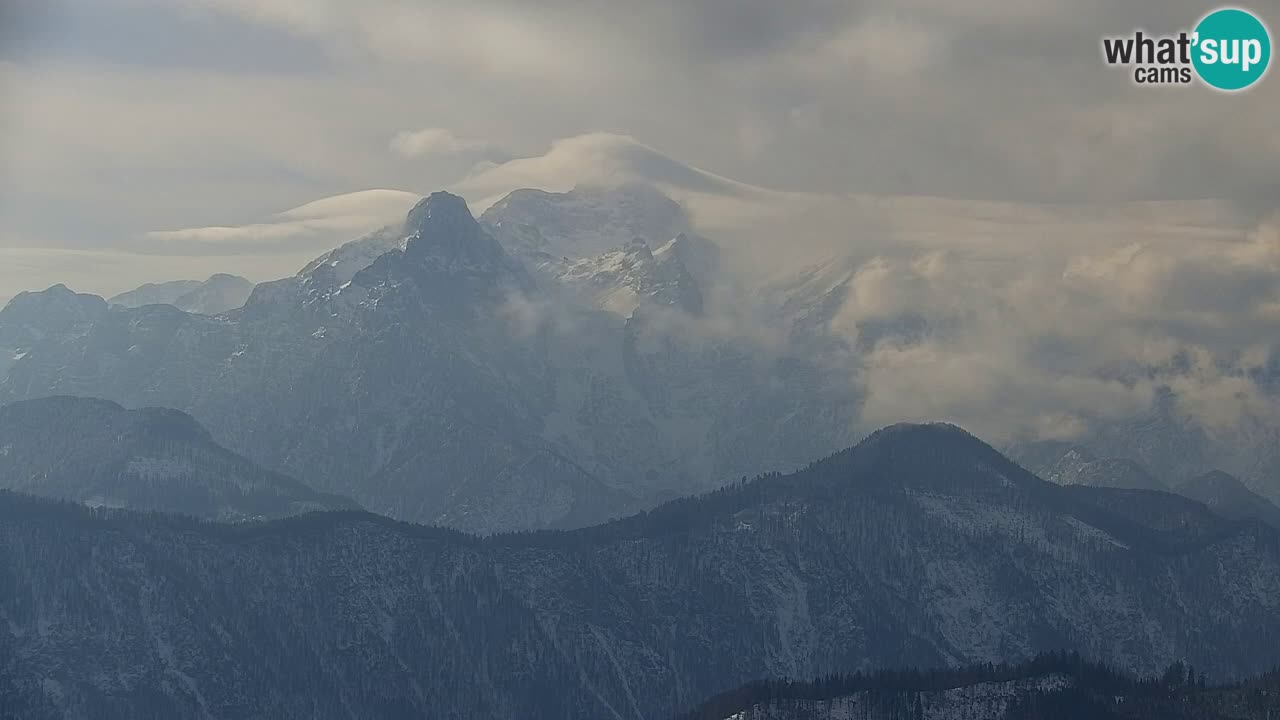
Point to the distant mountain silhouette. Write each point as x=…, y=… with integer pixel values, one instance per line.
x=96, y=452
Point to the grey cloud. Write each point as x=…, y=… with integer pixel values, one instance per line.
x=1038, y=319
x=316, y=227
x=988, y=100
x=129, y=32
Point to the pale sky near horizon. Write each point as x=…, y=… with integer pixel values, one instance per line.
x=122, y=121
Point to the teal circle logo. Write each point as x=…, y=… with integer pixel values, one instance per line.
x=1231, y=49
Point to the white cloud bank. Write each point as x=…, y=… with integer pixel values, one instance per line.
x=441, y=142
x=314, y=227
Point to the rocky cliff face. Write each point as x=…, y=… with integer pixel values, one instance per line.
x=920, y=547
x=1077, y=466
x=623, y=279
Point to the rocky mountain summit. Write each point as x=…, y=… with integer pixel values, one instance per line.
x=1077, y=466
x=622, y=279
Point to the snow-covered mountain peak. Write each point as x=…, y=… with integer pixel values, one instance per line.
x=343, y=262
x=623, y=278
x=1078, y=466
x=587, y=221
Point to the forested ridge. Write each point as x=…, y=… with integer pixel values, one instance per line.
x=1052, y=686
x=920, y=547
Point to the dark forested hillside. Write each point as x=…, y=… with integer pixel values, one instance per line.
x=1053, y=686
x=98, y=453
x=922, y=547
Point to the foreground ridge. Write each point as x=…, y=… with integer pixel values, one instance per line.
x=920, y=547
x=1052, y=685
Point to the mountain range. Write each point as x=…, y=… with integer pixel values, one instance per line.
x=1070, y=464
x=920, y=547
x=97, y=453
x=565, y=359
x=1077, y=466
x=1171, y=445
x=1226, y=495
x=433, y=373
x=220, y=293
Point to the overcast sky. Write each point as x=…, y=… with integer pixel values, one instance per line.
x=123, y=121
x=146, y=140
